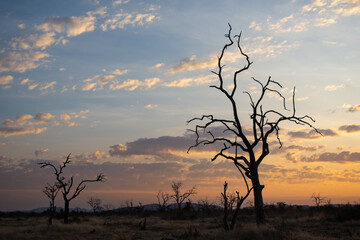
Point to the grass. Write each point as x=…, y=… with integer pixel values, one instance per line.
x=291, y=223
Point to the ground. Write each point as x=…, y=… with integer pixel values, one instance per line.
x=293, y=223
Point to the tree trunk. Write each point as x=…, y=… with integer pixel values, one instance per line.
x=258, y=199
x=66, y=212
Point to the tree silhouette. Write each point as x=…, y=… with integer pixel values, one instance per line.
x=317, y=199
x=181, y=197
x=95, y=204
x=66, y=184
x=51, y=192
x=163, y=200
x=228, y=201
x=263, y=124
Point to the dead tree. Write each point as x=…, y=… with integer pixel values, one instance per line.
x=95, y=204
x=228, y=201
x=263, y=123
x=66, y=184
x=317, y=199
x=181, y=197
x=163, y=200
x=51, y=192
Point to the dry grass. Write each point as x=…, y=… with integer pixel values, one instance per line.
x=299, y=226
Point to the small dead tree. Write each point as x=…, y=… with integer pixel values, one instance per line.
x=163, y=200
x=51, y=192
x=228, y=201
x=317, y=199
x=66, y=184
x=95, y=204
x=181, y=197
x=263, y=124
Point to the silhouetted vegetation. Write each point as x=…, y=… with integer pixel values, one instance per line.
x=66, y=185
x=263, y=124
x=283, y=222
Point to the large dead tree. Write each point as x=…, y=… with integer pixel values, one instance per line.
x=263, y=123
x=66, y=184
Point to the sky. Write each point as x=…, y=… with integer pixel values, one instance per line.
x=114, y=82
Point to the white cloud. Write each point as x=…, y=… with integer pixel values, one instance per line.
x=186, y=82
x=255, y=26
x=72, y=26
x=105, y=79
x=149, y=106
x=132, y=84
x=47, y=86
x=331, y=88
x=6, y=79
x=34, y=41
x=120, y=20
x=119, y=2
x=7, y=132
x=21, y=61
x=329, y=42
x=88, y=86
x=33, y=86
x=119, y=72
x=156, y=66
x=191, y=64
x=24, y=81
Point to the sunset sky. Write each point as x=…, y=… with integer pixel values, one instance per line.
x=114, y=83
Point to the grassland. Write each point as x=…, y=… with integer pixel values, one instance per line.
x=282, y=223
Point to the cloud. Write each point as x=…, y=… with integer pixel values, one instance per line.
x=119, y=2
x=72, y=26
x=6, y=79
x=152, y=146
x=331, y=88
x=33, y=41
x=24, y=81
x=191, y=64
x=33, y=86
x=350, y=128
x=21, y=61
x=132, y=84
x=312, y=134
x=350, y=108
x=43, y=117
x=119, y=72
x=120, y=20
x=23, y=119
x=95, y=156
x=255, y=26
x=7, y=132
x=149, y=106
x=329, y=42
x=313, y=6
x=40, y=151
x=47, y=86
x=105, y=79
x=88, y=86
x=156, y=66
x=186, y=82
x=342, y=157
x=68, y=118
